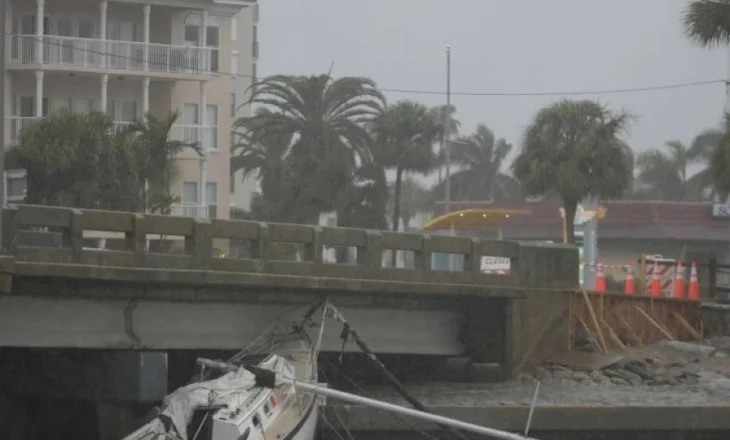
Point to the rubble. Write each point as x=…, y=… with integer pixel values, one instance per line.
x=661, y=365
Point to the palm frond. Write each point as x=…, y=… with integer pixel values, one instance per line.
x=707, y=22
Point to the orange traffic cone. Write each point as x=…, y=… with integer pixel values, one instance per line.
x=656, y=282
x=600, y=278
x=679, y=281
x=630, y=283
x=694, y=287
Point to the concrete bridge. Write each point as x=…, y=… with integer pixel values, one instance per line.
x=182, y=295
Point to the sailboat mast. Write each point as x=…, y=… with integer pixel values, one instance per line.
x=402, y=410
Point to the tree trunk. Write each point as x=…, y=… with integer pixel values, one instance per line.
x=569, y=208
x=396, y=207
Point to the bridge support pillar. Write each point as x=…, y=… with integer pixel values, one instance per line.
x=13, y=417
x=488, y=337
x=115, y=420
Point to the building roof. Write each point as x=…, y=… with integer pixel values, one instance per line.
x=624, y=220
x=473, y=218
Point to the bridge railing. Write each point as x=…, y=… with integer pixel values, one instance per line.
x=199, y=238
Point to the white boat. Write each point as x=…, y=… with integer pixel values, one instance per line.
x=274, y=396
x=242, y=404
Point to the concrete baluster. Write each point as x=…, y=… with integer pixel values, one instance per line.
x=370, y=256
x=473, y=260
x=422, y=258
x=260, y=247
x=73, y=236
x=201, y=242
x=136, y=239
x=313, y=250
x=10, y=229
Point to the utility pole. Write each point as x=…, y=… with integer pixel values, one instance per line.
x=3, y=8
x=447, y=146
x=447, y=120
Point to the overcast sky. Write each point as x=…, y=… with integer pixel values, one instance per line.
x=507, y=46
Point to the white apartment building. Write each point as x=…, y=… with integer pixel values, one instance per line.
x=244, y=62
x=129, y=57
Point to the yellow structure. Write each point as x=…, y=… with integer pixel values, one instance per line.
x=473, y=219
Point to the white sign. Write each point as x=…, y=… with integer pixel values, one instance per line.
x=495, y=263
x=720, y=210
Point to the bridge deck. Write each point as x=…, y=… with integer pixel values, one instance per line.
x=53, y=242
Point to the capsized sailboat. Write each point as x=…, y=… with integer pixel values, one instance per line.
x=242, y=400
x=275, y=396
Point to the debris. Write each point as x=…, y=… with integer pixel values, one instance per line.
x=690, y=347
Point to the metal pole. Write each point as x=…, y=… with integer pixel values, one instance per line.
x=447, y=145
x=590, y=244
x=3, y=8
x=402, y=410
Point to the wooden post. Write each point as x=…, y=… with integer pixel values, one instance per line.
x=712, y=279
x=642, y=275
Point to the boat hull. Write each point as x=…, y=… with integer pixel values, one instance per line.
x=308, y=429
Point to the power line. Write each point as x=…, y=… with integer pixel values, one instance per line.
x=411, y=91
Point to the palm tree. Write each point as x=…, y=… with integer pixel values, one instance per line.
x=265, y=157
x=325, y=119
x=573, y=148
x=663, y=174
x=479, y=159
x=415, y=198
x=363, y=202
x=707, y=22
x=719, y=168
x=445, y=120
x=157, y=152
x=78, y=160
x=404, y=134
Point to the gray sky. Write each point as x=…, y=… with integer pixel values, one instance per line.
x=507, y=46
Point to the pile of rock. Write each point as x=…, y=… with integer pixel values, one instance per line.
x=646, y=372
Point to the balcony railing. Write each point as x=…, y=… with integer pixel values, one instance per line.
x=194, y=133
x=194, y=210
x=186, y=133
x=112, y=54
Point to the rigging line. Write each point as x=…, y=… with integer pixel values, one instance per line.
x=614, y=91
x=336, y=411
x=390, y=377
x=367, y=394
x=290, y=310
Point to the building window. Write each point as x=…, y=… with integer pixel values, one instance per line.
x=192, y=37
x=211, y=198
x=16, y=185
x=190, y=114
x=213, y=42
x=233, y=105
x=211, y=121
x=234, y=27
x=234, y=63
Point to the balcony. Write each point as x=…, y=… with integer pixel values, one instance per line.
x=194, y=133
x=185, y=133
x=194, y=210
x=89, y=53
